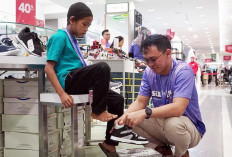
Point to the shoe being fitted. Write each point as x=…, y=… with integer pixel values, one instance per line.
x=123, y=133
x=115, y=85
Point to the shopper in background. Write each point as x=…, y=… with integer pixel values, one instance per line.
x=194, y=65
x=69, y=74
x=136, y=44
x=175, y=118
x=106, y=37
x=118, y=50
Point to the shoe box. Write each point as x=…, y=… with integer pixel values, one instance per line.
x=1, y=88
x=52, y=152
x=24, y=106
x=24, y=88
x=20, y=140
x=1, y=105
x=64, y=119
x=21, y=89
x=26, y=123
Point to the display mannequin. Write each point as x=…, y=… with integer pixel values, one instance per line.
x=194, y=65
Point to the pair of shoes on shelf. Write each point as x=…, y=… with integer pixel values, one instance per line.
x=108, y=153
x=7, y=48
x=124, y=133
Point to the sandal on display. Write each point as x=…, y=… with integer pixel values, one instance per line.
x=108, y=153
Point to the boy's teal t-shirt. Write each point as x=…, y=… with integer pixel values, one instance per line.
x=60, y=50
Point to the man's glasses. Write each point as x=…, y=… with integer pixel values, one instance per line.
x=107, y=34
x=153, y=59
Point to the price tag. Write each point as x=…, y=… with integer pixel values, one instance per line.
x=30, y=45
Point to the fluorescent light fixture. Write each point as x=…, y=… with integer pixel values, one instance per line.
x=202, y=15
x=159, y=18
x=204, y=22
x=200, y=7
x=89, y=3
x=206, y=28
x=165, y=24
x=190, y=28
x=207, y=32
x=151, y=10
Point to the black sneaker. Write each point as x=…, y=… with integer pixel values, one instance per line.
x=24, y=36
x=123, y=133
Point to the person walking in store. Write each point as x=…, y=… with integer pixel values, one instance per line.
x=175, y=118
x=194, y=65
x=69, y=74
x=106, y=37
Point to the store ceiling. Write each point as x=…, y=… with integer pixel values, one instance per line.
x=195, y=22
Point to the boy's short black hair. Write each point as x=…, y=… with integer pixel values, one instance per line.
x=161, y=42
x=106, y=30
x=79, y=10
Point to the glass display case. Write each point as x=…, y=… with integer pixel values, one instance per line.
x=11, y=28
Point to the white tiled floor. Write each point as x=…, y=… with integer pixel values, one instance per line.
x=216, y=109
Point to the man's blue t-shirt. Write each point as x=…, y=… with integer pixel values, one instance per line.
x=60, y=50
x=163, y=89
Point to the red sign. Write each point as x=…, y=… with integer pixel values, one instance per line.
x=208, y=60
x=228, y=48
x=226, y=58
x=39, y=23
x=170, y=34
x=25, y=11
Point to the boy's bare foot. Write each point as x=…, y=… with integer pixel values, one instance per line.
x=104, y=116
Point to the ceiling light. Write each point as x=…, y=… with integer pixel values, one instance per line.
x=207, y=32
x=200, y=7
x=195, y=36
x=89, y=3
x=206, y=28
x=202, y=15
x=151, y=10
x=204, y=22
x=165, y=24
x=159, y=18
x=190, y=28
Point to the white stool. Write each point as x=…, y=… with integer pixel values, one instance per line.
x=54, y=99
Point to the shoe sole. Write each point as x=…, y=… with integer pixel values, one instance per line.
x=22, y=43
x=128, y=141
x=15, y=52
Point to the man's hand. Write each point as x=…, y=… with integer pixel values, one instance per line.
x=134, y=118
x=67, y=100
x=131, y=119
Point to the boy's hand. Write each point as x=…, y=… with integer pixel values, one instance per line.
x=67, y=100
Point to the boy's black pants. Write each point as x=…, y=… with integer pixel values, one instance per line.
x=96, y=77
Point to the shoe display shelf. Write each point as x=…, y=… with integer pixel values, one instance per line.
x=24, y=118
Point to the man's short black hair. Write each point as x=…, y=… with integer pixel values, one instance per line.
x=106, y=30
x=161, y=42
x=79, y=10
